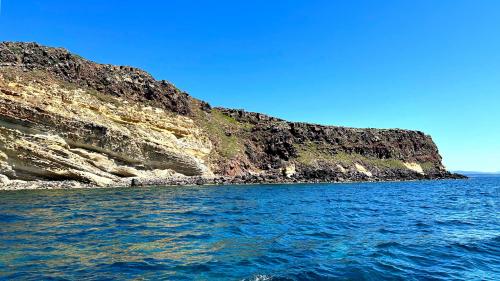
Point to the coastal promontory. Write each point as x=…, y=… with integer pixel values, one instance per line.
x=69, y=122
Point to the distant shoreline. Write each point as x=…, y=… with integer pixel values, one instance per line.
x=477, y=173
x=480, y=175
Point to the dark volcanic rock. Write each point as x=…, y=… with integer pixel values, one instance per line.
x=123, y=81
x=273, y=144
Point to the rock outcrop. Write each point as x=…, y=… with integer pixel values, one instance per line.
x=64, y=118
x=336, y=153
x=120, y=81
x=51, y=131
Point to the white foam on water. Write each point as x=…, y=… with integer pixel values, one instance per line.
x=259, y=277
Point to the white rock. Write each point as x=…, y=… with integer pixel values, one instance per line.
x=363, y=170
x=415, y=167
x=4, y=180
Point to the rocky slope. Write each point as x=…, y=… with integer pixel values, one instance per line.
x=68, y=122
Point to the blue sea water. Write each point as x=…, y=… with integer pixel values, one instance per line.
x=429, y=230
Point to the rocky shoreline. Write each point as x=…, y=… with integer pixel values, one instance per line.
x=13, y=185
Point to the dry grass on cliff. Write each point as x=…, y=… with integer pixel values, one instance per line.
x=312, y=153
x=222, y=131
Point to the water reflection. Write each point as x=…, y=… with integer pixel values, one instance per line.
x=356, y=231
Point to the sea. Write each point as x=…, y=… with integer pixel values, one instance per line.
x=421, y=230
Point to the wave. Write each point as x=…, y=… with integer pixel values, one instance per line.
x=266, y=234
x=10, y=218
x=260, y=277
x=388, y=244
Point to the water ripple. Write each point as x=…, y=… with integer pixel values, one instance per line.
x=434, y=230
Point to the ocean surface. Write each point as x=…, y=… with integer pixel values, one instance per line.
x=429, y=230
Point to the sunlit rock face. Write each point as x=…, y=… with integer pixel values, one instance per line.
x=64, y=118
x=333, y=153
x=53, y=130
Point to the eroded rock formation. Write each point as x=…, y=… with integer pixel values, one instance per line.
x=66, y=118
x=51, y=131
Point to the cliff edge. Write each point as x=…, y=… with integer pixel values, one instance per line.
x=68, y=122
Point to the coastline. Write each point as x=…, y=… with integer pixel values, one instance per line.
x=67, y=122
x=17, y=185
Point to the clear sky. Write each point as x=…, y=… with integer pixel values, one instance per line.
x=427, y=65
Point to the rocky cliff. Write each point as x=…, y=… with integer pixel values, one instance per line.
x=67, y=121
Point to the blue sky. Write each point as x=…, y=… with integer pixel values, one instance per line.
x=427, y=65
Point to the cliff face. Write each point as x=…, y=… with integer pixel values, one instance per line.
x=308, y=152
x=120, y=81
x=66, y=118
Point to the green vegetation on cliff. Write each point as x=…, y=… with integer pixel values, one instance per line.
x=311, y=153
x=104, y=124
